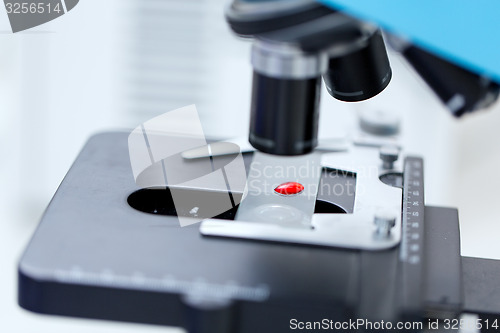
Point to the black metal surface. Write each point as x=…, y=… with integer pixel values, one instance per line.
x=361, y=74
x=90, y=225
x=97, y=302
x=378, y=285
x=481, y=286
x=284, y=115
x=449, y=81
x=248, y=18
x=286, y=22
x=443, y=291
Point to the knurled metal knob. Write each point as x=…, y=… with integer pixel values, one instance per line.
x=389, y=155
x=384, y=221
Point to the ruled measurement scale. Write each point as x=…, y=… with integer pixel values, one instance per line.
x=412, y=240
x=413, y=211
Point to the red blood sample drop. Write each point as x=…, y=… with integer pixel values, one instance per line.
x=289, y=188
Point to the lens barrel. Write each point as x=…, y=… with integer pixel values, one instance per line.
x=285, y=98
x=284, y=115
x=361, y=72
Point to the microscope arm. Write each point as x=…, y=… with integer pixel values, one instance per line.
x=297, y=42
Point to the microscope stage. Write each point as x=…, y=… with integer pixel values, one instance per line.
x=95, y=256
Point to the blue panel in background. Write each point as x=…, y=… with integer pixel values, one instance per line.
x=466, y=32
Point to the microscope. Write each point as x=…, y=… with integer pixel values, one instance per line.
x=291, y=252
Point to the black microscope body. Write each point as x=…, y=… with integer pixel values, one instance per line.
x=108, y=249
